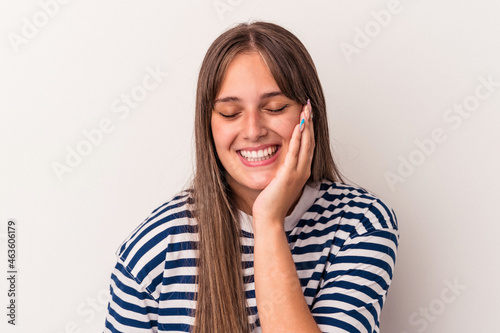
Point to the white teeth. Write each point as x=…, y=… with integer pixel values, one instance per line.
x=259, y=155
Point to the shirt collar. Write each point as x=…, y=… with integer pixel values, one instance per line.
x=307, y=198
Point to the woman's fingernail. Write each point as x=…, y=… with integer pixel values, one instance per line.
x=301, y=123
x=309, y=109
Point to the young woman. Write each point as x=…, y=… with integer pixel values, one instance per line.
x=267, y=238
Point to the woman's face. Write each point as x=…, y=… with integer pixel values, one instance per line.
x=252, y=123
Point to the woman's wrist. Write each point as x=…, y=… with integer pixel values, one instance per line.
x=268, y=225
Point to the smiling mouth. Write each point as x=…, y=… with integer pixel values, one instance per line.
x=258, y=155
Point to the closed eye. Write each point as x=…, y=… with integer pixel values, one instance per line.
x=277, y=110
x=227, y=115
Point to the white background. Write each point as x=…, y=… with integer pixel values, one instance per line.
x=396, y=90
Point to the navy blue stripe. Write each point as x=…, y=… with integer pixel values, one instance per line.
x=152, y=226
x=175, y=312
x=178, y=229
x=390, y=213
x=181, y=279
x=175, y=327
x=165, y=207
x=132, y=322
x=336, y=323
x=359, y=273
x=364, y=260
x=126, y=289
x=351, y=301
x=110, y=327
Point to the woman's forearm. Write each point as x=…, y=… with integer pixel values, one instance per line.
x=280, y=301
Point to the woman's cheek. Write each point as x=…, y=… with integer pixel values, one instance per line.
x=284, y=127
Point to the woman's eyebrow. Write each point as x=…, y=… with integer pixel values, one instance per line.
x=237, y=99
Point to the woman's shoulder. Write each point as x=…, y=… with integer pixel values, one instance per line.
x=354, y=204
x=172, y=217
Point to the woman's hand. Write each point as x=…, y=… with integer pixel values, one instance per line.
x=274, y=202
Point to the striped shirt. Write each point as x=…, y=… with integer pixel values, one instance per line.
x=342, y=238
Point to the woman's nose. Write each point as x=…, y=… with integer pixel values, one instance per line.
x=254, y=125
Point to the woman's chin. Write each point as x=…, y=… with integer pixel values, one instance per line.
x=253, y=185
x=259, y=183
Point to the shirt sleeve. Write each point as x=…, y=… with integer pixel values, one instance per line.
x=358, y=277
x=131, y=308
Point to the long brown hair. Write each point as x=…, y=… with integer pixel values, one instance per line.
x=221, y=301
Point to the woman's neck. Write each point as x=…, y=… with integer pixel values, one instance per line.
x=244, y=200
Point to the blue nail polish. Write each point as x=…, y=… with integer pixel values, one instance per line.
x=301, y=123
